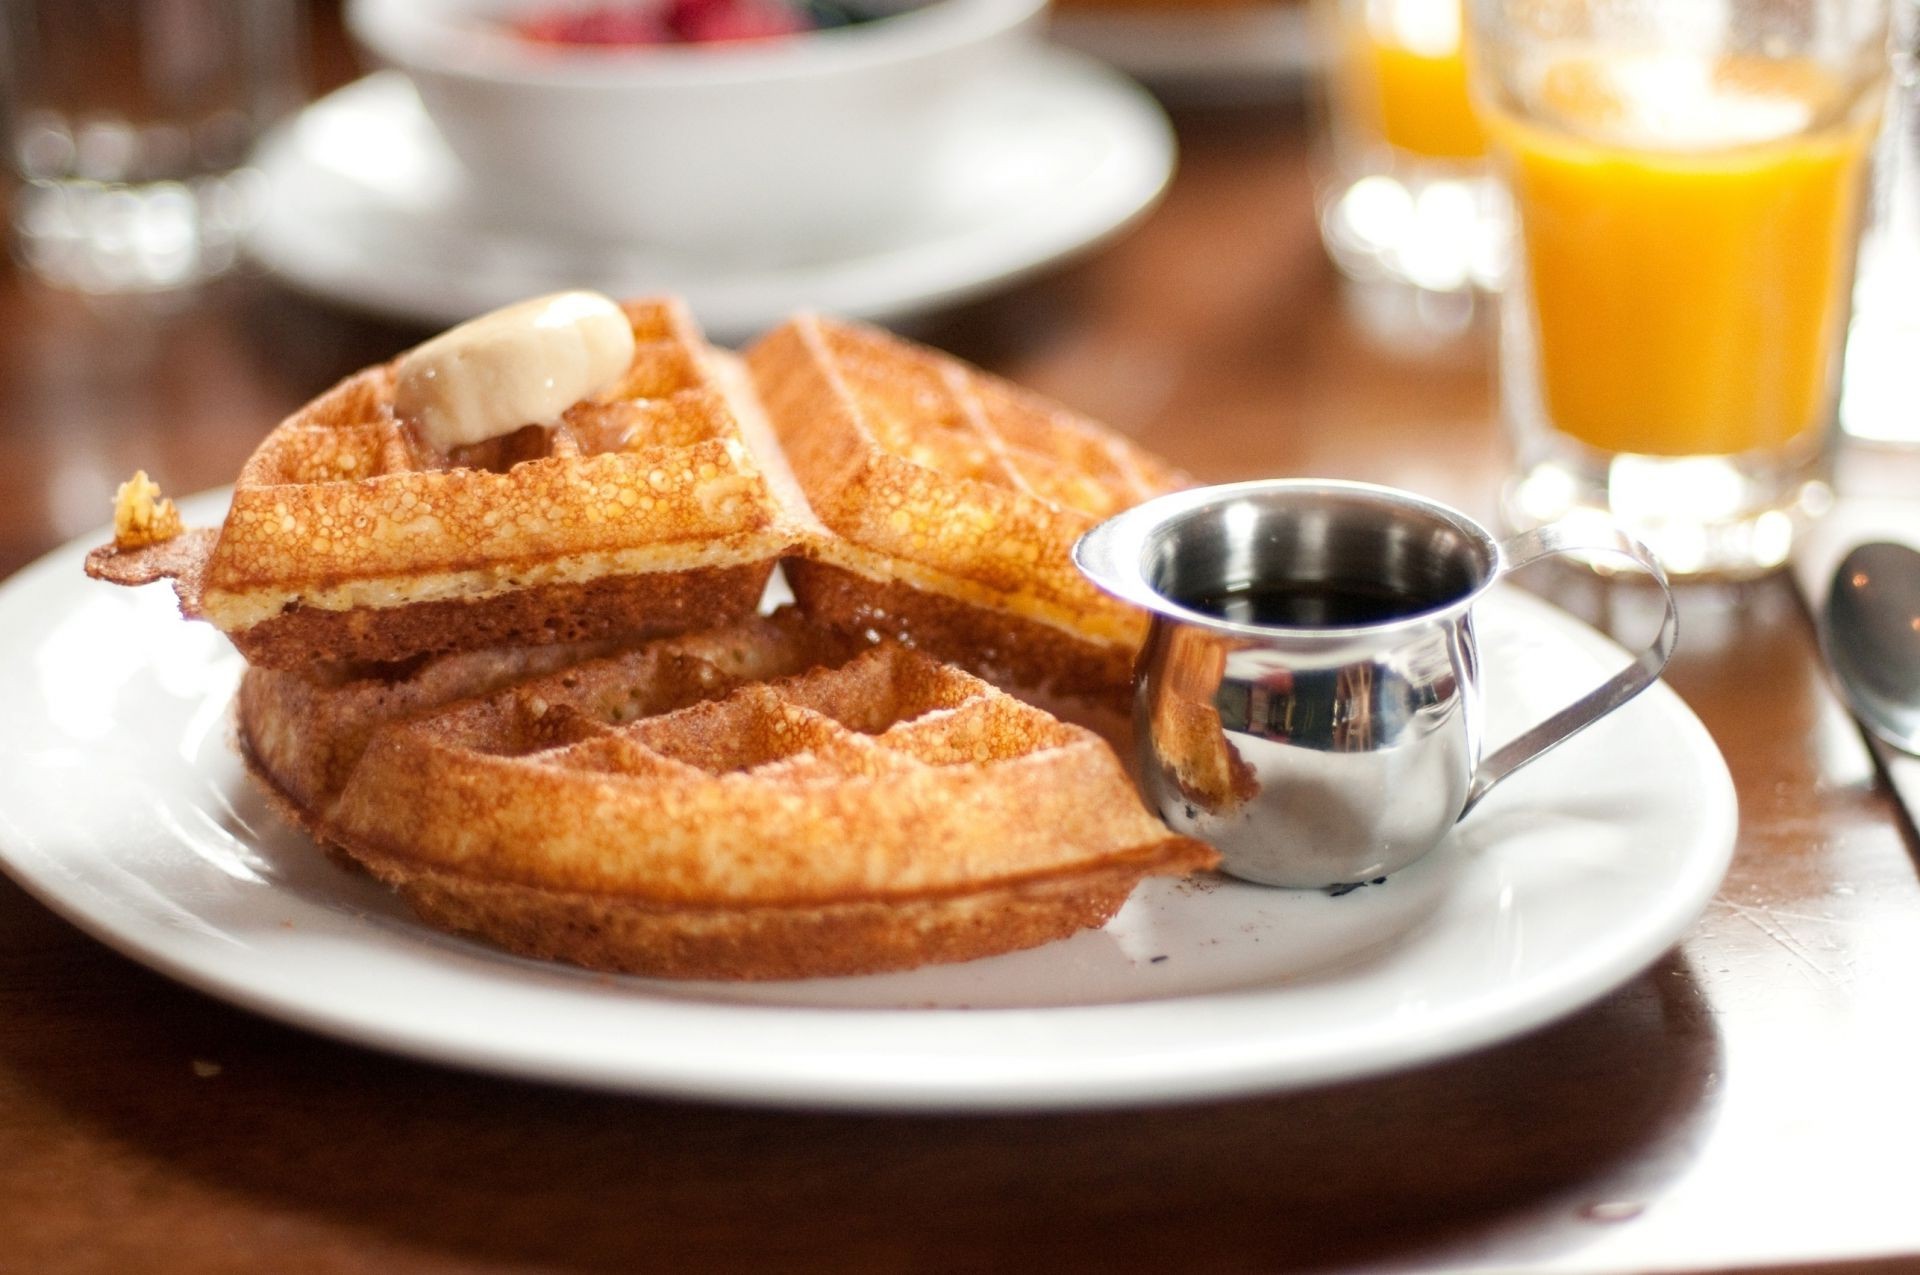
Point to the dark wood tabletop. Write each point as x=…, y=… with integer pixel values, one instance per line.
x=1747, y=1101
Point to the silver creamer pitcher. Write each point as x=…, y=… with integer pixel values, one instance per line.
x=1308, y=699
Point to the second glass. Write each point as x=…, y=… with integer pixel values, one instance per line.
x=1408, y=200
x=1688, y=183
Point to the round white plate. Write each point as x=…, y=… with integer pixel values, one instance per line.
x=1265, y=49
x=368, y=208
x=123, y=807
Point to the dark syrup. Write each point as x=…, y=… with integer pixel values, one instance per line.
x=1311, y=604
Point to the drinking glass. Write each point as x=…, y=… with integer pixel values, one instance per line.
x=1876, y=398
x=129, y=124
x=1688, y=181
x=1408, y=200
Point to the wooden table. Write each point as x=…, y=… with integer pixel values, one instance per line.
x=1749, y=1100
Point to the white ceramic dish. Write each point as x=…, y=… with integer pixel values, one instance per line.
x=369, y=210
x=768, y=149
x=1248, y=52
x=1574, y=877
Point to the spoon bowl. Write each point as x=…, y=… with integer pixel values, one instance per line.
x=1870, y=629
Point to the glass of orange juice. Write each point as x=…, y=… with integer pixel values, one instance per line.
x=1408, y=200
x=1688, y=181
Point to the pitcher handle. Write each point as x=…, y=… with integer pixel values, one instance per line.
x=1544, y=542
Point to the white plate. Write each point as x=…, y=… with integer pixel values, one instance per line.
x=124, y=809
x=367, y=208
x=1258, y=50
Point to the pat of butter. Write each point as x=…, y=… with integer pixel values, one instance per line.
x=522, y=365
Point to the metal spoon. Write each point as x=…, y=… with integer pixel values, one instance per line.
x=1871, y=632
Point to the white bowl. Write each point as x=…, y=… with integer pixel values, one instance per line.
x=767, y=151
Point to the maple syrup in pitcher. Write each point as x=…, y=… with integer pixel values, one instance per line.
x=1312, y=604
x=1334, y=735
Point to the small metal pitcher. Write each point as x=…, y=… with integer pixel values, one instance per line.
x=1326, y=749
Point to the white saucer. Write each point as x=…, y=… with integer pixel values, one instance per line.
x=368, y=209
x=123, y=808
x=1265, y=49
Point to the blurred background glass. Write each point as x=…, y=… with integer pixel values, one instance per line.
x=1407, y=199
x=1689, y=182
x=129, y=125
x=1877, y=401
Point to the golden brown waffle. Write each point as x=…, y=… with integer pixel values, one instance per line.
x=643, y=512
x=950, y=501
x=765, y=801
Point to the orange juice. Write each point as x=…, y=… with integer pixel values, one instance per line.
x=1411, y=59
x=1688, y=227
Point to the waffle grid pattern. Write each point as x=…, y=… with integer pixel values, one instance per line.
x=882, y=715
x=938, y=414
x=662, y=404
x=343, y=490
x=766, y=761
x=939, y=481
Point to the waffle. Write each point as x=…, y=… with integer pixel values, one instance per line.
x=349, y=540
x=949, y=501
x=764, y=801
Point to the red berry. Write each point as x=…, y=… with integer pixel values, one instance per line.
x=714, y=21
x=612, y=24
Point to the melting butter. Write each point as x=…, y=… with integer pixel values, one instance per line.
x=522, y=365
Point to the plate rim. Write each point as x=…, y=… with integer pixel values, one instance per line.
x=1468, y=1025
x=1197, y=47
x=1127, y=115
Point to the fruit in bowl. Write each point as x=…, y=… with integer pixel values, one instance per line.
x=713, y=145
x=631, y=24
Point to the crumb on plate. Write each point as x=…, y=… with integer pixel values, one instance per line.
x=141, y=517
